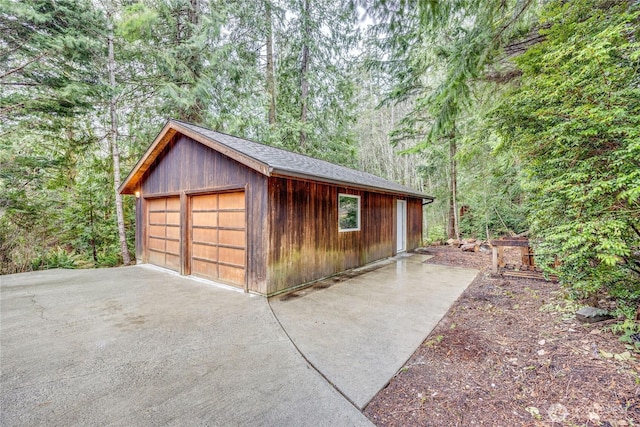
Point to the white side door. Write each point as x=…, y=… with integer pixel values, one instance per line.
x=401, y=226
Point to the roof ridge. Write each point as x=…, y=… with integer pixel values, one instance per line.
x=222, y=133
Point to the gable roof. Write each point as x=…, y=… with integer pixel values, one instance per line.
x=268, y=160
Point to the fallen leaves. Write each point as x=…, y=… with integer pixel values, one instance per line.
x=621, y=357
x=535, y=412
x=506, y=366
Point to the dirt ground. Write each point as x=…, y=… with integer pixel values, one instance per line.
x=510, y=352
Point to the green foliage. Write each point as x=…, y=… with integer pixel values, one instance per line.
x=448, y=62
x=197, y=61
x=332, y=80
x=575, y=123
x=46, y=48
x=56, y=193
x=88, y=217
x=489, y=185
x=138, y=22
x=441, y=50
x=435, y=233
x=348, y=212
x=52, y=81
x=626, y=329
x=55, y=258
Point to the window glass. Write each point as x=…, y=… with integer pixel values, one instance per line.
x=348, y=212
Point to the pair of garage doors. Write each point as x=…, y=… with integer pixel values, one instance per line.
x=215, y=246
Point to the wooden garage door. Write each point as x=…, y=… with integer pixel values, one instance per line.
x=218, y=237
x=163, y=235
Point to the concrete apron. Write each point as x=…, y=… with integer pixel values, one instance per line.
x=360, y=332
x=136, y=346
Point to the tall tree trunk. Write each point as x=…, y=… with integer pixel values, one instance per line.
x=454, y=227
x=304, y=70
x=271, y=83
x=92, y=240
x=113, y=139
x=194, y=113
x=194, y=12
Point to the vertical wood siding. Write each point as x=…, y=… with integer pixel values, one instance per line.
x=186, y=165
x=414, y=223
x=292, y=225
x=139, y=227
x=304, y=239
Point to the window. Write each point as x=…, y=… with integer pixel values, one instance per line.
x=348, y=212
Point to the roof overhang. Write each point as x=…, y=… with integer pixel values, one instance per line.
x=295, y=175
x=170, y=129
x=132, y=183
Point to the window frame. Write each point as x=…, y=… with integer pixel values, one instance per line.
x=358, y=212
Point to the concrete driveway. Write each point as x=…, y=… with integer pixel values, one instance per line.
x=138, y=346
x=360, y=332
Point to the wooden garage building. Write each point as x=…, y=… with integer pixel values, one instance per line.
x=261, y=218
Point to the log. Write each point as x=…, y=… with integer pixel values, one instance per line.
x=469, y=247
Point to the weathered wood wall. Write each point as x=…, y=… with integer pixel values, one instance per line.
x=304, y=240
x=292, y=225
x=414, y=223
x=139, y=228
x=186, y=166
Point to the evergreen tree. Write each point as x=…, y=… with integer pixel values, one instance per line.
x=574, y=122
x=45, y=63
x=441, y=56
x=50, y=88
x=315, y=79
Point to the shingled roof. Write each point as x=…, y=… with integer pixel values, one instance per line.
x=268, y=160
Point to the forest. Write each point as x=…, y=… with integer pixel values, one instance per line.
x=522, y=114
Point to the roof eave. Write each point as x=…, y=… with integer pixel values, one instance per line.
x=288, y=174
x=170, y=129
x=130, y=183
x=222, y=148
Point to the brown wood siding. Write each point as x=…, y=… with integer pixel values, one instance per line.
x=304, y=238
x=188, y=166
x=414, y=223
x=139, y=227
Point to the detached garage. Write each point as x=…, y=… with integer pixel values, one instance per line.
x=260, y=218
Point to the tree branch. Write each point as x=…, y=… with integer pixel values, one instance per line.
x=18, y=84
x=22, y=67
x=513, y=19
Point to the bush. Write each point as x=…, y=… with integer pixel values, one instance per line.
x=575, y=123
x=55, y=258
